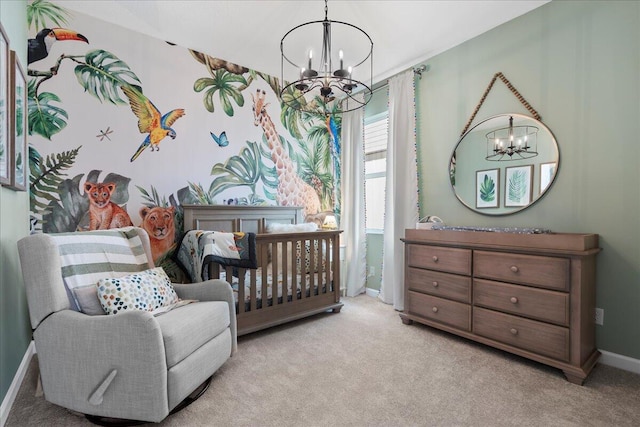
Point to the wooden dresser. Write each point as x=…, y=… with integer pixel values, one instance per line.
x=530, y=294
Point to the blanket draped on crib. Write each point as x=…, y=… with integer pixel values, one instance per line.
x=199, y=248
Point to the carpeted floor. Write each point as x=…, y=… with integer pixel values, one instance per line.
x=363, y=367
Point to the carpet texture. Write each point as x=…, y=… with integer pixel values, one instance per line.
x=363, y=367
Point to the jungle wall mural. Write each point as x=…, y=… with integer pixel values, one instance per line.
x=125, y=128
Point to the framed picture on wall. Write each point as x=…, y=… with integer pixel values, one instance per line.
x=547, y=171
x=488, y=188
x=517, y=185
x=5, y=154
x=18, y=121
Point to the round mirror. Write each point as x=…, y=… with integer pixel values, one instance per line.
x=504, y=164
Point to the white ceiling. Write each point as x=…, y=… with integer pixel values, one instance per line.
x=404, y=33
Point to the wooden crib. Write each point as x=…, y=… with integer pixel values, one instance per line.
x=298, y=272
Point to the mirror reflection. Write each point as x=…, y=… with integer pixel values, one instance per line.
x=504, y=164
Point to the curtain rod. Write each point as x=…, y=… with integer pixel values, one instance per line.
x=416, y=70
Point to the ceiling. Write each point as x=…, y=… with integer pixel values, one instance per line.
x=404, y=33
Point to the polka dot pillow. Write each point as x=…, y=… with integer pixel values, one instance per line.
x=148, y=290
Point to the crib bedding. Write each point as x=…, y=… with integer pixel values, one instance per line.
x=302, y=282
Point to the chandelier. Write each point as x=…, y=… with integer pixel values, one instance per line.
x=318, y=84
x=512, y=143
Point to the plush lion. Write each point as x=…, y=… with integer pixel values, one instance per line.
x=159, y=224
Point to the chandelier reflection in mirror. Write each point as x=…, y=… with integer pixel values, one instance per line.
x=512, y=143
x=311, y=60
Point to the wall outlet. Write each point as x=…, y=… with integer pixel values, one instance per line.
x=372, y=271
x=599, y=316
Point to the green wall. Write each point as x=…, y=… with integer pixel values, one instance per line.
x=578, y=64
x=15, y=329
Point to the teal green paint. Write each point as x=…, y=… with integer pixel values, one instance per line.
x=577, y=63
x=378, y=104
x=15, y=329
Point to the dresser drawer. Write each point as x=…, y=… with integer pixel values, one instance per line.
x=440, y=310
x=541, y=271
x=440, y=284
x=540, y=304
x=440, y=258
x=541, y=338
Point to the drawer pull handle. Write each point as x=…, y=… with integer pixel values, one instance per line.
x=435, y=258
x=435, y=309
x=514, y=331
x=514, y=300
x=514, y=268
x=435, y=284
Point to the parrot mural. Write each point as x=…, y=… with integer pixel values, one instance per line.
x=149, y=120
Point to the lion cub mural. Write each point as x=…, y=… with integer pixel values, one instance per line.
x=103, y=213
x=159, y=224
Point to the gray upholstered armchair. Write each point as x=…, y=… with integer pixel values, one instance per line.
x=132, y=365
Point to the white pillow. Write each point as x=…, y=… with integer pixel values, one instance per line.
x=292, y=228
x=148, y=290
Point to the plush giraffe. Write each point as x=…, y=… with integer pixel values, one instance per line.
x=292, y=190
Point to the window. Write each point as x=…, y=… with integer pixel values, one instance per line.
x=375, y=169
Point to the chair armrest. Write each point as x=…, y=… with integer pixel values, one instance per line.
x=77, y=352
x=212, y=290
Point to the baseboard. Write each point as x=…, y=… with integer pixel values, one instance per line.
x=10, y=397
x=372, y=292
x=619, y=361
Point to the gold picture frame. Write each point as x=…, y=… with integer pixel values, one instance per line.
x=18, y=124
x=5, y=146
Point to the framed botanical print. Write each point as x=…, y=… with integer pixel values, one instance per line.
x=5, y=152
x=18, y=120
x=518, y=184
x=488, y=188
x=547, y=172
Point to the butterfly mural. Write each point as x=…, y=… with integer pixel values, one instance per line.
x=221, y=140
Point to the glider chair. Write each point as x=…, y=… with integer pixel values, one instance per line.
x=115, y=339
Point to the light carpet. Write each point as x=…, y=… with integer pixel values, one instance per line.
x=363, y=367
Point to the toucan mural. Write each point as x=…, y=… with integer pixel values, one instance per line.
x=124, y=129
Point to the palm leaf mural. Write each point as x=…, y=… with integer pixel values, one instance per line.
x=46, y=175
x=225, y=83
x=39, y=11
x=487, y=189
x=45, y=119
x=245, y=169
x=200, y=195
x=152, y=199
x=518, y=185
x=102, y=74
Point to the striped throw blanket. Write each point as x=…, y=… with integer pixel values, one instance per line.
x=87, y=257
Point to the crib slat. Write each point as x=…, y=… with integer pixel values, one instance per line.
x=241, y=281
x=313, y=267
x=274, y=273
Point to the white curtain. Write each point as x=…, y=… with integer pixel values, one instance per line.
x=353, y=239
x=401, y=191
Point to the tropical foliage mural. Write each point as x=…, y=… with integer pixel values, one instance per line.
x=124, y=129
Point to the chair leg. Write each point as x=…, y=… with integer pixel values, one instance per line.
x=119, y=422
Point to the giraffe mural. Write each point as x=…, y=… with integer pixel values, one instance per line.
x=292, y=190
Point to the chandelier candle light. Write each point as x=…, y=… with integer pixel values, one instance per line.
x=512, y=143
x=317, y=89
